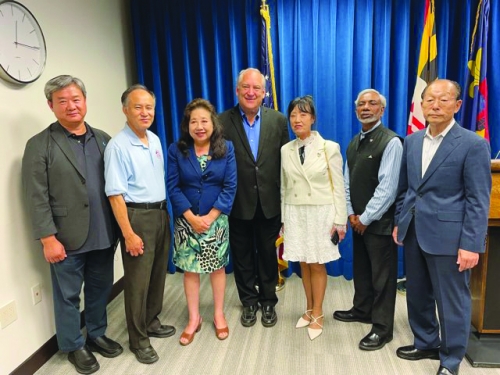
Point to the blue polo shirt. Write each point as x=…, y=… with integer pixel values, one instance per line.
x=133, y=169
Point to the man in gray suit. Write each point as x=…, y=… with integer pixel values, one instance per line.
x=441, y=217
x=257, y=134
x=63, y=180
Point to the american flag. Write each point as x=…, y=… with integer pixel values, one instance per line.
x=266, y=59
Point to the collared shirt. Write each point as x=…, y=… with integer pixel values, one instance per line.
x=388, y=176
x=252, y=131
x=133, y=169
x=90, y=161
x=431, y=145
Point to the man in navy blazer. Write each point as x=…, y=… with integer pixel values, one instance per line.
x=441, y=217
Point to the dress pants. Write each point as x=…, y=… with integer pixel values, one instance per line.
x=375, y=278
x=144, y=275
x=435, y=280
x=254, y=255
x=94, y=269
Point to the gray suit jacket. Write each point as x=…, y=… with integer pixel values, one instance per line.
x=257, y=179
x=450, y=203
x=54, y=186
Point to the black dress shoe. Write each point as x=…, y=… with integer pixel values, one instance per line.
x=269, y=316
x=373, y=341
x=444, y=371
x=249, y=315
x=413, y=354
x=83, y=360
x=349, y=316
x=104, y=346
x=146, y=355
x=162, y=331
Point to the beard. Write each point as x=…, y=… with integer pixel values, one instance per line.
x=368, y=120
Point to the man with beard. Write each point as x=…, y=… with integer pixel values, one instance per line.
x=371, y=178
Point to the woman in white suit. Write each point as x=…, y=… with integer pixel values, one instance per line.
x=313, y=207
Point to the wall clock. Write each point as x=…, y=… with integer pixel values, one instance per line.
x=22, y=45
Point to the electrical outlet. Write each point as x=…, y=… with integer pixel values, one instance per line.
x=36, y=293
x=8, y=314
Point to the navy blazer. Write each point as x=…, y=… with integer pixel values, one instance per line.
x=190, y=188
x=450, y=203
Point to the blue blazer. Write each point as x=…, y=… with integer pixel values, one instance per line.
x=190, y=188
x=450, y=203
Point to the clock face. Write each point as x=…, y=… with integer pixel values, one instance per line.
x=22, y=45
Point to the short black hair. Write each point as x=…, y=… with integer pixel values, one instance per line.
x=304, y=103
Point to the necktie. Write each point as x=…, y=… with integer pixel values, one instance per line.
x=302, y=154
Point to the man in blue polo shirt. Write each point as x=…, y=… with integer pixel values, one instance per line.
x=135, y=186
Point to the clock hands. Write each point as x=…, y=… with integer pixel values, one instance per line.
x=27, y=46
x=24, y=45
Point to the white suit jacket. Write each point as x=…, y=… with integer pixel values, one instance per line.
x=309, y=184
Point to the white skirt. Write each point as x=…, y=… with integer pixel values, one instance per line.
x=307, y=234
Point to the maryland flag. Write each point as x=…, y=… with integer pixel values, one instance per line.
x=427, y=68
x=475, y=104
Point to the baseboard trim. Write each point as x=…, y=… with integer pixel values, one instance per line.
x=47, y=350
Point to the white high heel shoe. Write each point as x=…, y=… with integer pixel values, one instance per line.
x=315, y=332
x=303, y=322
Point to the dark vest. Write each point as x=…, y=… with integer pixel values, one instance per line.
x=363, y=159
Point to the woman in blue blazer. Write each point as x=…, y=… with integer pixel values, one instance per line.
x=201, y=184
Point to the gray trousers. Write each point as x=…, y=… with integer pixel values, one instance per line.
x=145, y=274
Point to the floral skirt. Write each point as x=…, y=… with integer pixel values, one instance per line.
x=201, y=253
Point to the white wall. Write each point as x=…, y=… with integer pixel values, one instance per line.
x=89, y=39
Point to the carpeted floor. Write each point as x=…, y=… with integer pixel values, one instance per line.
x=258, y=350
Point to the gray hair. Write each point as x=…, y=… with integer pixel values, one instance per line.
x=383, y=100
x=137, y=86
x=60, y=82
x=247, y=70
x=455, y=84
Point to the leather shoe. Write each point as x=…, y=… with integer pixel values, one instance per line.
x=249, y=315
x=145, y=355
x=349, y=316
x=162, y=331
x=444, y=371
x=104, y=346
x=413, y=354
x=83, y=360
x=269, y=316
x=373, y=341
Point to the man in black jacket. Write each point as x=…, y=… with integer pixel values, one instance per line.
x=63, y=180
x=257, y=134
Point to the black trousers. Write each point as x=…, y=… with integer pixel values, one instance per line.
x=254, y=255
x=375, y=277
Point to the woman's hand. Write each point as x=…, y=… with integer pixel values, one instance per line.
x=198, y=224
x=340, y=229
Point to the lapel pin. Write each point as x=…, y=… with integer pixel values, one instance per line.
x=371, y=139
x=370, y=157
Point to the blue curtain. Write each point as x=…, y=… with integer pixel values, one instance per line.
x=331, y=49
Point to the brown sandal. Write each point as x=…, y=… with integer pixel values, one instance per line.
x=219, y=332
x=189, y=337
